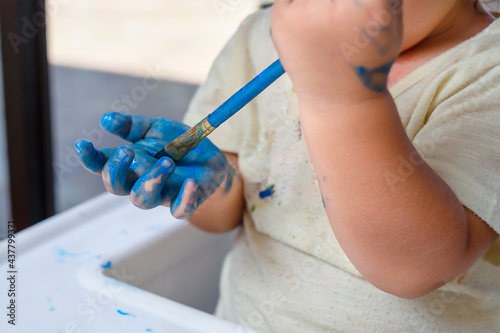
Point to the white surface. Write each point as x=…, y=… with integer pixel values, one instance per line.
x=62, y=286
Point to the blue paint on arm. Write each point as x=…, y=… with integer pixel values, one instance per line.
x=374, y=79
x=231, y=174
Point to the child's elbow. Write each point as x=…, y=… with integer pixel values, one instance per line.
x=409, y=288
x=409, y=292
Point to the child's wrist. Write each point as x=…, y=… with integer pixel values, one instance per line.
x=342, y=103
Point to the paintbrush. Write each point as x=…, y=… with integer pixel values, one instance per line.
x=179, y=148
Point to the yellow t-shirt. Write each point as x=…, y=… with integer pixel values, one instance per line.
x=287, y=272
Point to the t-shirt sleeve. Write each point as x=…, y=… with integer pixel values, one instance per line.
x=461, y=137
x=230, y=72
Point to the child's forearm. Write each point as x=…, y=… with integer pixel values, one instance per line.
x=407, y=239
x=223, y=210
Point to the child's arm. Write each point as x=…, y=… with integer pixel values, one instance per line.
x=407, y=240
x=222, y=211
x=203, y=178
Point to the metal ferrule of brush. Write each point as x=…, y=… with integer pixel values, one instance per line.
x=181, y=146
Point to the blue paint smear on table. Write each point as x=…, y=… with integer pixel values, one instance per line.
x=63, y=253
x=125, y=313
x=106, y=265
x=268, y=192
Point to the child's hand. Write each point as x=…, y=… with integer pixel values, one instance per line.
x=151, y=182
x=337, y=51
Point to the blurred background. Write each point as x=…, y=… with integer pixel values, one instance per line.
x=118, y=55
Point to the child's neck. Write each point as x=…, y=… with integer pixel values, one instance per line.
x=467, y=26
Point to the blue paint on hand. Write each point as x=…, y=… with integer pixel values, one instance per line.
x=116, y=123
x=132, y=170
x=268, y=192
x=92, y=159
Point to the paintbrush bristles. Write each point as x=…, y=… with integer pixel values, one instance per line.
x=181, y=146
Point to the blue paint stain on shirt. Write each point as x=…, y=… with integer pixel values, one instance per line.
x=268, y=192
x=149, y=330
x=123, y=313
x=52, y=309
x=106, y=265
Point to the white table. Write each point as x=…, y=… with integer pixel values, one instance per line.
x=107, y=266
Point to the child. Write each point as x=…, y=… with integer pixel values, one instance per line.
x=366, y=207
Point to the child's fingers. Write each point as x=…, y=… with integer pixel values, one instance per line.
x=130, y=128
x=92, y=159
x=186, y=202
x=147, y=191
x=116, y=174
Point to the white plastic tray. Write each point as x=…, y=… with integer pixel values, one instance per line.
x=107, y=266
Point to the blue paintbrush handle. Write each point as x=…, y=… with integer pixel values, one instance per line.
x=178, y=148
x=246, y=94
